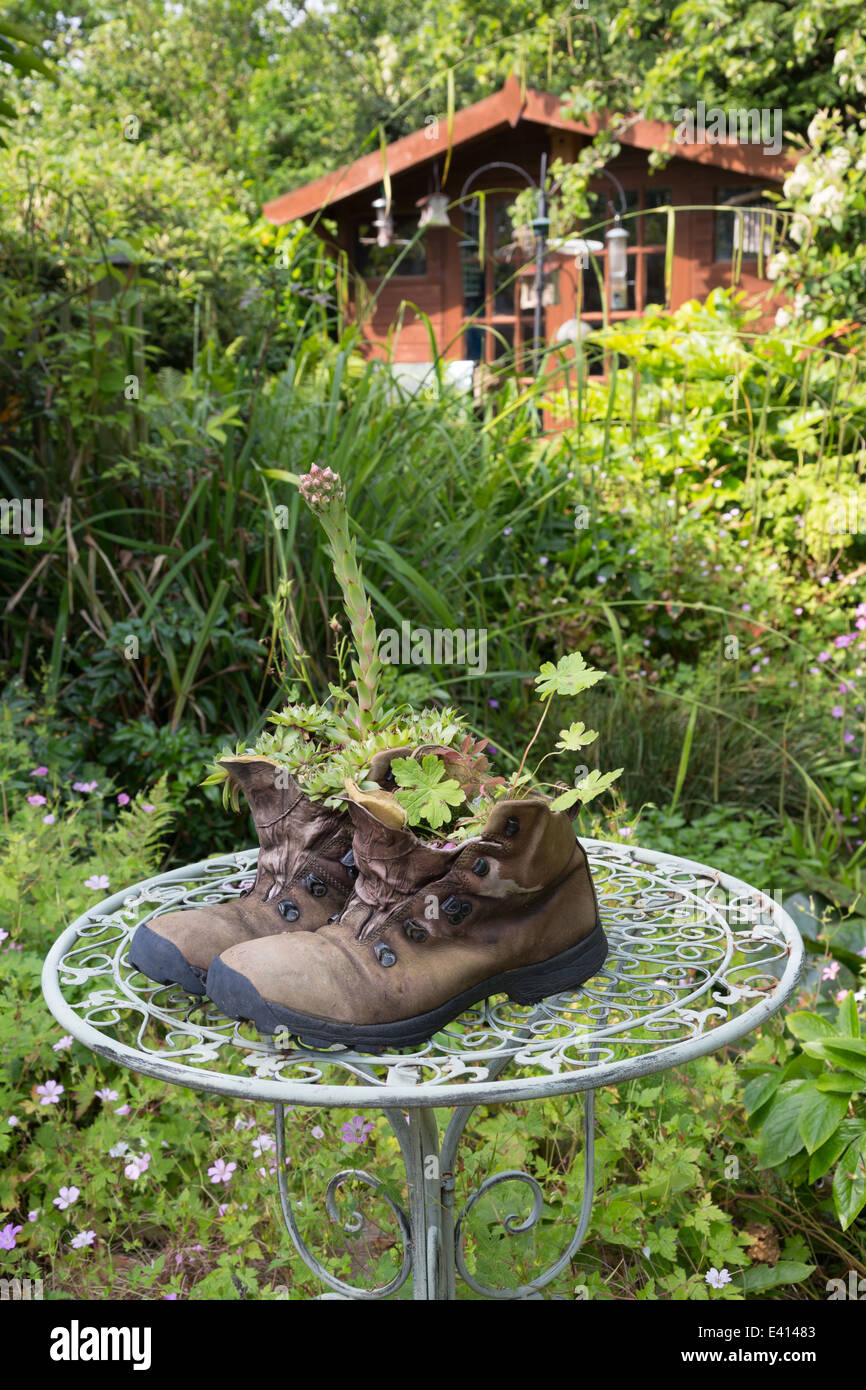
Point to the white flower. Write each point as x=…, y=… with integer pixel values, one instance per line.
x=797, y=181
x=783, y=318
x=776, y=265
x=119, y=1149
x=717, y=1278
x=827, y=201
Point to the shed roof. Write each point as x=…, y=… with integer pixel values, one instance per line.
x=507, y=107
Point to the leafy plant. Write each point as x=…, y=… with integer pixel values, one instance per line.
x=809, y=1113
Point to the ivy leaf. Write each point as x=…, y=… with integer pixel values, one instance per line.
x=424, y=792
x=569, y=676
x=574, y=737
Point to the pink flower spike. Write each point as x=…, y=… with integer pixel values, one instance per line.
x=37, y=800
x=122, y=799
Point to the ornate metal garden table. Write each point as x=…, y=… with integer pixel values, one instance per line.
x=697, y=960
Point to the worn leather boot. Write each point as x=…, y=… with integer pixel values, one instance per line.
x=427, y=933
x=305, y=874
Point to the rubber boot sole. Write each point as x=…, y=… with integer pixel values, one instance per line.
x=238, y=998
x=160, y=960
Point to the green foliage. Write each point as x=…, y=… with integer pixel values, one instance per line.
x=424, y=792
x=809, y=1113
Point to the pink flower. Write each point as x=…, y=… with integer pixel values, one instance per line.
x=220, y=1171
x=7, y=1236
x=841, y=994
x=97, y=881
x=317, y=1132
x=830, y=971
x=824, y=656
x=844, y=641
x=355, y=1131
x=122, y=1109
x=82, y=1239
x=84, y=786
x=49, y=819
x=39, y=772
x=68, y=1195
x=122, y=799
x=223, y=1208
x=147, y=807
x=34, y=1214
x=105, y=1093
x=37, y=800
x=837, y=711
x=261, y=1144
x=64, y=1042
x=50, y=1093
x=717, y=1278
x=136, y=1166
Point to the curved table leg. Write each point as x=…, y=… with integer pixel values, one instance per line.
x=432, y=1239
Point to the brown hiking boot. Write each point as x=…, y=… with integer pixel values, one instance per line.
x=305, y=874
x=427, y=933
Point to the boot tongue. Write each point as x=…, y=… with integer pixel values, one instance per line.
x=392, y=866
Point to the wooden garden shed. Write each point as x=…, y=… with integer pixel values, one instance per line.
x=482, y=305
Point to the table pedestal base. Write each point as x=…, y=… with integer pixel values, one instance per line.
x=432, y=1239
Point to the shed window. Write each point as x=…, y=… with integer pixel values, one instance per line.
x=742, y=217
x=407, y=254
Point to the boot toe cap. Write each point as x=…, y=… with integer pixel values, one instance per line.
x=159, y=958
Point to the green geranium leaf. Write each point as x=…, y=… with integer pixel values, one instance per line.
x=424, y=792
x=596, y=783
x=569, y=676
x=574, y=737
